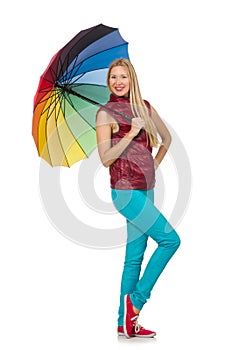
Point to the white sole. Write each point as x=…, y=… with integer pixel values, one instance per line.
x=138, y=336
x=144, y=336
x=120, y=334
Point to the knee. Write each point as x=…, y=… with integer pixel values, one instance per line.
x=177, y=241
x=172, y=240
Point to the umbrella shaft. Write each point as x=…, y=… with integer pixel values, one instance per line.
x=65, y=88
x=70, y=91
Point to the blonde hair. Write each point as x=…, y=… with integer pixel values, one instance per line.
x=138, y=105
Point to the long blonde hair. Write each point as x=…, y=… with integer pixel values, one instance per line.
x=138, y=105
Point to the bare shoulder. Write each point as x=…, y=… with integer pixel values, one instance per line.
x=104, y=118
x=154, y=110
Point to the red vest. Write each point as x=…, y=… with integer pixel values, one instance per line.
x=134, y=169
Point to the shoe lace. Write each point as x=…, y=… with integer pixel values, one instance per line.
x=136, y=326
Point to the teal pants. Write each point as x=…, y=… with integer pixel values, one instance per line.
x=143, y=220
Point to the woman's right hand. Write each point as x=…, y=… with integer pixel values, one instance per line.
x=136, y=125
x=107, y=152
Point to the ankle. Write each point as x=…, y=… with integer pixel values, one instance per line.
x=136, y=311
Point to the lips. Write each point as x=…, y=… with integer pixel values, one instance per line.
x=119, y=88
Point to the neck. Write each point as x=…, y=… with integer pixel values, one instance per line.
x=114, y=97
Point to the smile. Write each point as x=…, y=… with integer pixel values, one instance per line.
x=119, y=88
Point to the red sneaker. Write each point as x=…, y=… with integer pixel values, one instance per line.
x=139, y=332
x=130, y=317
x=120, y=330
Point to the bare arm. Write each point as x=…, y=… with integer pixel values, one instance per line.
x=107, y=153
x=165, y=137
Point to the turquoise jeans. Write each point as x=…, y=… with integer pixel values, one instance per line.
x=143, y=220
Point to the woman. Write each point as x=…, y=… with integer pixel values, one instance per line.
x=127, y=130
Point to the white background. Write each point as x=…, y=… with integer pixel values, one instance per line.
x=56, y=294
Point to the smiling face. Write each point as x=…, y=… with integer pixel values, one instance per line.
x=119, y=82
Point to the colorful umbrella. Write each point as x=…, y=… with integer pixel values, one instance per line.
x=70, y=92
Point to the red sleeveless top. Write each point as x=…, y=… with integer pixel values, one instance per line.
x=134, y=169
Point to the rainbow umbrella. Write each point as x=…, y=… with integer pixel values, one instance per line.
x=70, y=91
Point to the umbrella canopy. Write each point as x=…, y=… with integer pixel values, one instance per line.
x=70, y=91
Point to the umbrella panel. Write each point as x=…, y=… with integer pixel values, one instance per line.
x=94, y=94
x=81, y=123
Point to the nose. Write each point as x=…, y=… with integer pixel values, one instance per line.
x=118, y=81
